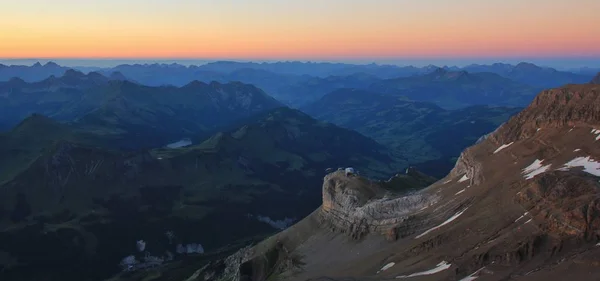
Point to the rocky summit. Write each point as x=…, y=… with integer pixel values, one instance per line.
x=521, y=204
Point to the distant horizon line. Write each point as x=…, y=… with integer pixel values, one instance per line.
x=555, y=61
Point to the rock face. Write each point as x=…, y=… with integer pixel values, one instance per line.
x=568, y=202
x=357, y=206
x=569, y=106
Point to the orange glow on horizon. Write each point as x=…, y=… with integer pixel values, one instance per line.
x=369, y=31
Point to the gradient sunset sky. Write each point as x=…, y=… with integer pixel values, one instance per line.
x=308, y=29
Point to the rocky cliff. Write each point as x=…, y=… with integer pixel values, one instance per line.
x=569, y=106
x=357, y=206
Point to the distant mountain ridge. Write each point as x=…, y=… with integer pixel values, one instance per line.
x=36, y=72
x=112, y=106
x=299, y=83
x=426, y=135
x=455, y=89
x=532, y=74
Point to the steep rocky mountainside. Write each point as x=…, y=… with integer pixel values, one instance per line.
x=523, y=204
x=430, y=137
x=70, y=209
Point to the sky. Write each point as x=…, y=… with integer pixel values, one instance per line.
x=293, y=29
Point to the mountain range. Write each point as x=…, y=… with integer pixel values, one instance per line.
x=131, y=116
x=455, y=89
x=531, y=74
x=427, y=136
x=134, y=116
x=297, y=83
x=33, y=73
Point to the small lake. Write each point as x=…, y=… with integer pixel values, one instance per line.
x=181, y=143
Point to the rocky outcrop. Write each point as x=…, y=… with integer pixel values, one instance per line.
x=357, y=206
x=569, y=106
x=352, y=205
x=568, y=203
x=467, y=165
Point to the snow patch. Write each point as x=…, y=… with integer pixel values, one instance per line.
x=447, y=181
x=571, y=130
x=538, y=129
x=598, y=244
x=277, y=224
x=535, y=169
x=521, y=216
x=502, y=147
x=463, y=190
x=589, y=165
x=438, y=268
x=452, y=218
x=597, y=133
x=472, y=276
x=464, y=178
x=386, y=267
x=528, y=221
x=577, y=150
x=179, y=144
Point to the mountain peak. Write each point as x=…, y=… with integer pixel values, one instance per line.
x=36, y=123
x=596, y=79
x=16, y=81
x=439, y=71
x=73, y=73
x=95, y=75
x=51, y=64
x=37, y=64
x=195, y=84
x=527, y=66
x=117, y=75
